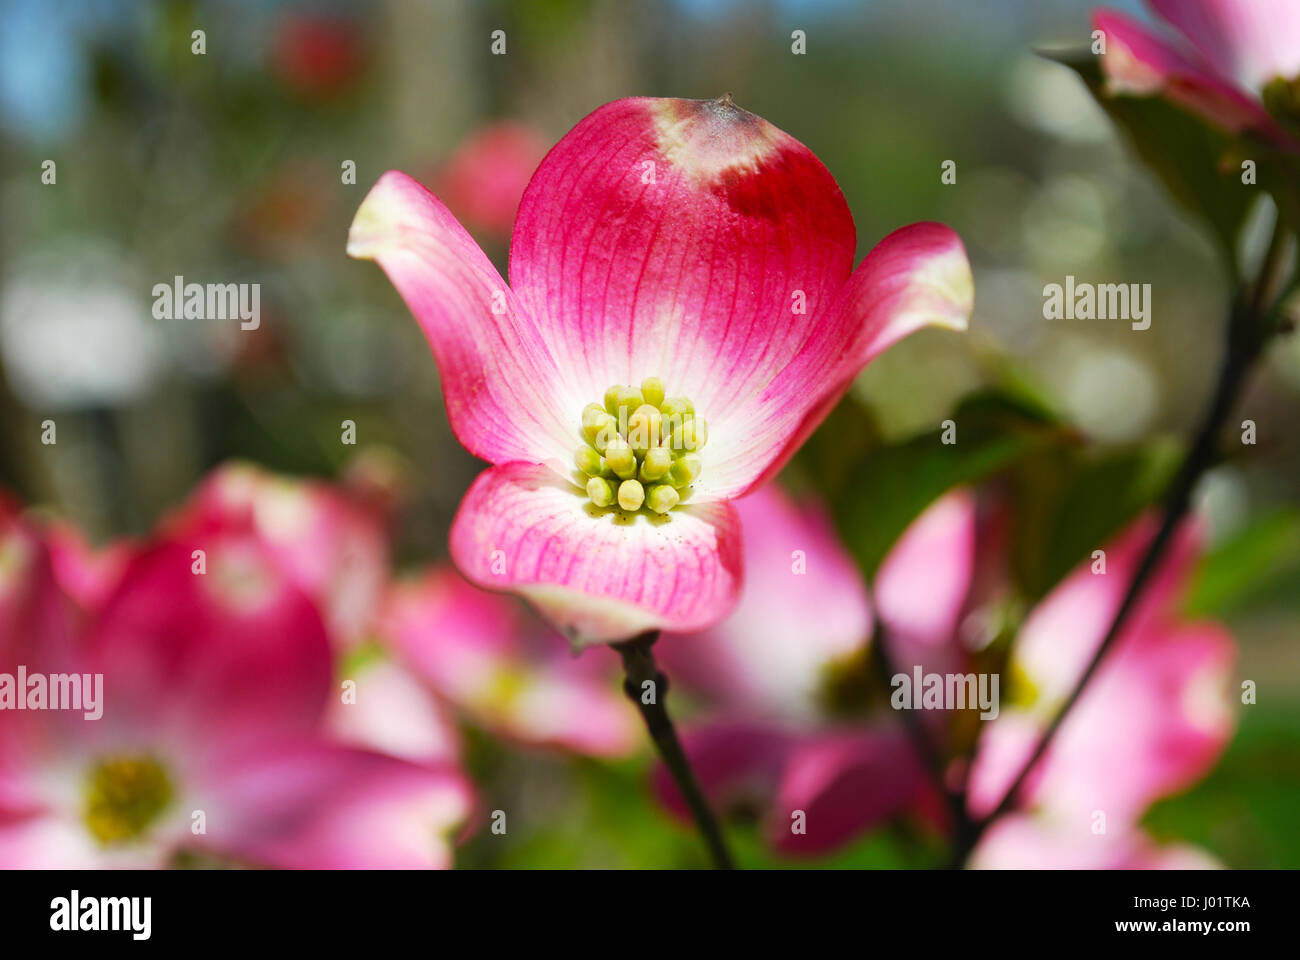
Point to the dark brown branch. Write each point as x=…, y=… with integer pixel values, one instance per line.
x=640, y=668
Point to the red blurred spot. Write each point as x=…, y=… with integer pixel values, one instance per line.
x=317, y=56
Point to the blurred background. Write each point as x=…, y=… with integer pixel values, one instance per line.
x=229, y=166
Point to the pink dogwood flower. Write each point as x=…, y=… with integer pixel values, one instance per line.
x=1151, y=722
x=390, y=710
x=1027, y=842
x=330, y=541
x=683, y=311
x=86, y=573
x=331, y=545
x=778, y=739
x=1229, y=53
x=494, y=661
x=205, y=738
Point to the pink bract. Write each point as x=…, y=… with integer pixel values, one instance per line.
x=216, y=672
x=1024, y=842
x=330, y=545
x=768, y=741
x=1154, y=720
x=492, y=659
x=1229, y=50
x=804, y=606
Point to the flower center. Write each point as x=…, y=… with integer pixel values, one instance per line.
x=641, y=448
x=124, y=795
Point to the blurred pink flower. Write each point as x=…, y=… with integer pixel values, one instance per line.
x=775, y=743
x=1152, y=721
x=330, y=541
x=924, y=585
x=1024, y=842
x=391, y=711
x=689, y=243
x=1228, y=52
x=487, y=656
x=214, y=689
x=484, y=179
x=804, y=607
x=85, y=573
x=330, y=545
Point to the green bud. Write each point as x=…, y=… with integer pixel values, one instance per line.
x=677, y=409
x=1282, y=99
x=620, y=458
x=668, y=428
x=631, y=495
x=611, y=400
x=604, y=433
x=652, y=388
x=643, y=429
x=684, y=470
x=658, y=461
x=592, y=416
x=640, y=447
x=660, y=498
x=690, y=436
x=629, y=398
x=677, y=440
x=601, y=491
x=590, y=462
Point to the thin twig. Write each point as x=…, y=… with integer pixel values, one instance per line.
x=1245, y=340
x=929, y=753
x=640, y=669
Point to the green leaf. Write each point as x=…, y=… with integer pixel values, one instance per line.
x=1242, y=567
x=893, y=485
x=1186, y=153
x=1244, y=812
x=1090, y=500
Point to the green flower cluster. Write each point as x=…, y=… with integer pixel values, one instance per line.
x=641, y=447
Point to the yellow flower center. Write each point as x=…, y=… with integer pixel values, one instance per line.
x=124, y=795
x=641, y=448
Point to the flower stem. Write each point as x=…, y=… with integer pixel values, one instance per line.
x=640, y=669
x=1246, y=335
